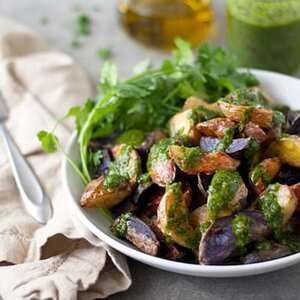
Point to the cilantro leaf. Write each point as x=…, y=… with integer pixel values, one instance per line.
x=109, y=76
x=49, y=141
x=183, y=54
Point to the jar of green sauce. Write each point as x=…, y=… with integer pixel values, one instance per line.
x=265, y=34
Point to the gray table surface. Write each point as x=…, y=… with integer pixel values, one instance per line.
x=148, y=283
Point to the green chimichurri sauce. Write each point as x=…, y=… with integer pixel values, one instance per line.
x=119, y=229
x=246, y=97
x=178, y=219
x=270, y=207
x=222, y=190
x=123, y=168
x=265, y=34
x=201, y=114
x=187, y=157
x=159, y=151
x=241, y=230
x=259, y=172
x=252, y=154
x=226, y=140
x=144, y=178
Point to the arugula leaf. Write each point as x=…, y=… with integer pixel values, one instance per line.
x=48, y=140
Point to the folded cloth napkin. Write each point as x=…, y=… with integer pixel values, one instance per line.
x=61, y=260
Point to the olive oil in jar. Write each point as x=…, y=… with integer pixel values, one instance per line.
x=158, y=22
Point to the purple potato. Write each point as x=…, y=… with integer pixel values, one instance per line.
x=103, y=167
x=143, y=193
x=209, y=144
x=218, y=243
x=276, y=251
x=293, y=122
x=137, y=232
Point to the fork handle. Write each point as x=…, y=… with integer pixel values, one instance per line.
x=31, y=191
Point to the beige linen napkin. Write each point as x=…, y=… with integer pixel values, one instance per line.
x=61, y=260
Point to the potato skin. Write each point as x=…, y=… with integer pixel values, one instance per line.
x=95, y=194
x=263, y=117
x=287, y=149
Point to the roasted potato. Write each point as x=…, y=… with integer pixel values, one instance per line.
x=195, y=102
x=173, y=217
x=264, y=172
x=96, y=195
x=287, y=148
x=254, y=131
x=215, y=127
x=263, y=117
x=193, y=161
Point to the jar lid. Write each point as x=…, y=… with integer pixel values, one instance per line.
x=265, y=12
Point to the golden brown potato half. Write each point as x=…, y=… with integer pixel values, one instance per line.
x=163, y=172
x=195, y=102
x=173, y=216
x=182, y=124
x=264, y=172
x=287, y=149
x=96, y=195
x=261, y=116
x=287, y=201
x=215, y=127
x=199, y=216
x=193, y=161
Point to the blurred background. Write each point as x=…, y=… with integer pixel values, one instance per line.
x=262, y=34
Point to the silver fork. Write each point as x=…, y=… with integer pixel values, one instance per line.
x=34, y=198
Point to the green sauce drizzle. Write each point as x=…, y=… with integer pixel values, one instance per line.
x=122, y=169
x=187, y=157
x=263, y=245
x=270, y=207
x=226, y=140
x=159, y=151
x=241, y=230
x=221, y=192
x=144, y=178
x=119, y=229
x=259, y=172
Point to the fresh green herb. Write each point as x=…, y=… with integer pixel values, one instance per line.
x=49, y=141
x=96, y=158
x=223, y=187
x=148, y=100
x=132, y=137
x=44, y=20
x=270, y=207
x=119, y=229
x=104, y=53
x=241, y=230
x=226, y=140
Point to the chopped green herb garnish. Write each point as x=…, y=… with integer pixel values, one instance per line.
x=83, y=24
x=120, y=227
x=104, y=53
x=226, y=140
x=241, y=230
x=44, y=20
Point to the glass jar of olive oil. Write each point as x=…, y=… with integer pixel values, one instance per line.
x=265, y=34
x=158, y=22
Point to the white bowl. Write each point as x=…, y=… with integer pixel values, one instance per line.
x=285, y=90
